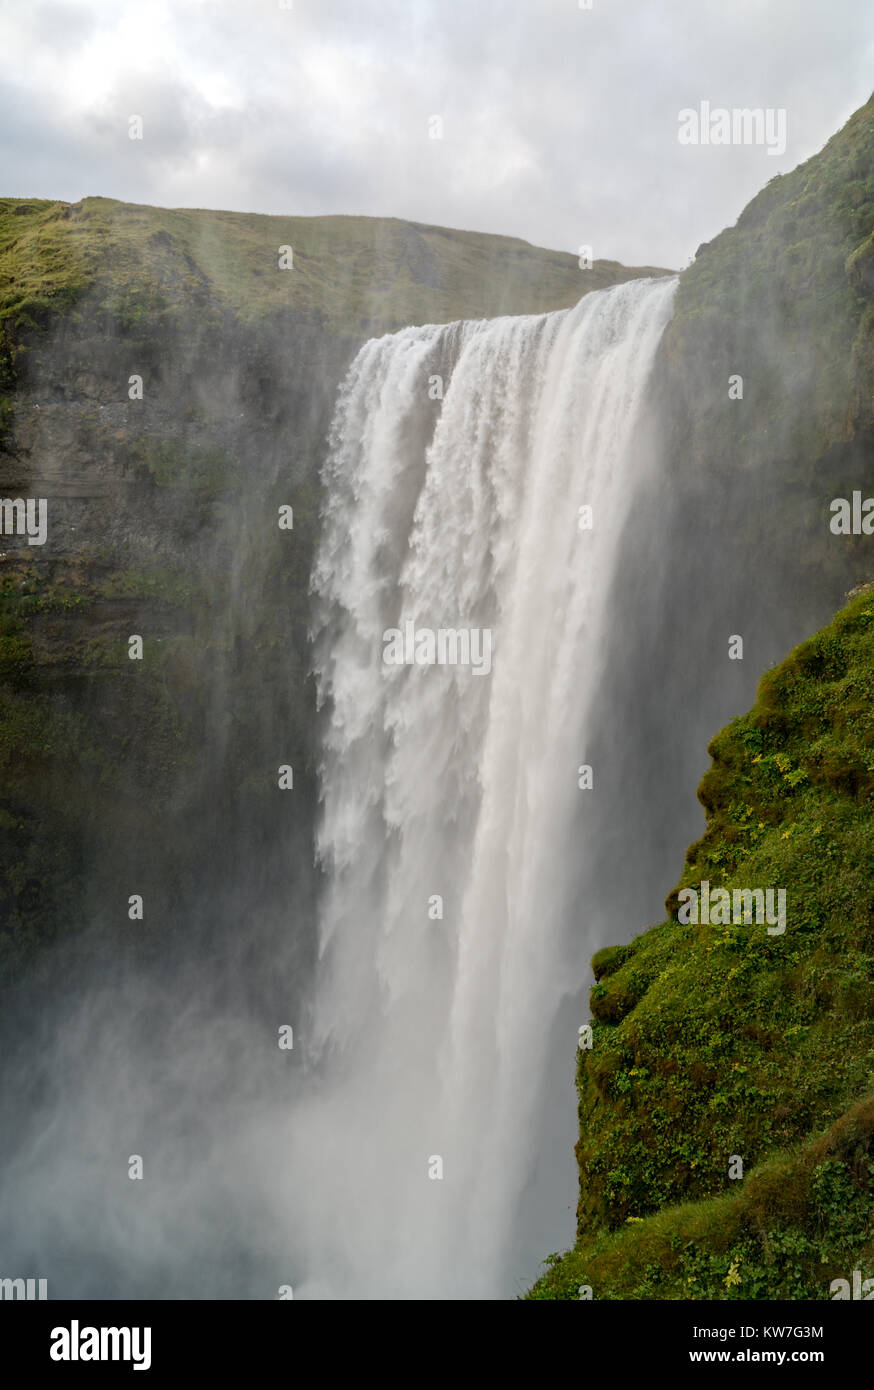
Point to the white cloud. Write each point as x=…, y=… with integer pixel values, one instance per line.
x=560, y=124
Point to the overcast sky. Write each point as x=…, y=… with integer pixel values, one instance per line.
x=560, y=124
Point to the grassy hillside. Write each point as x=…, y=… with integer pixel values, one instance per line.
x=358, y=275
x=716, y=1041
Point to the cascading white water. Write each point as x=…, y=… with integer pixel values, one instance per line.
x=460, y=512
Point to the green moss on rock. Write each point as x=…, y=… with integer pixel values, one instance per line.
x=713, y=1041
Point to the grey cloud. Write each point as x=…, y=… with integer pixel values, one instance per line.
x=560, y=124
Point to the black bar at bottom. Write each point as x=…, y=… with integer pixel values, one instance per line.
x=163, y=1339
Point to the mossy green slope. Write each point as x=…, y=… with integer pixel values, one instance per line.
x=357, y=275
x=714, y=1041
x=799, y=1222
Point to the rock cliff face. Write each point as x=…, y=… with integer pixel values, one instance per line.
x=784, y=300
x=159, y=777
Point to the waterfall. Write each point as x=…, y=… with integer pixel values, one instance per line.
x=451, y=921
